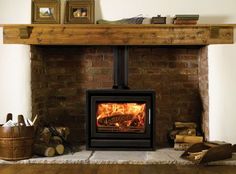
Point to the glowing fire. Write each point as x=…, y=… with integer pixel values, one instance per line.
x=121, y=115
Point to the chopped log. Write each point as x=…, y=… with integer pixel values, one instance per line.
x=45, y=135
x=188, y=139
x=43, y=150
x=182, y=146
x=196, y=155
x=63, y=131
x=56, y=142
x=59, y=149
x=56, y=139
x=182, y=131
x=48, y=131
x=64, y=141
x=109, y=120
x=190, y=125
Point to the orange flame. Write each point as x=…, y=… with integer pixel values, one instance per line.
x=121, y=115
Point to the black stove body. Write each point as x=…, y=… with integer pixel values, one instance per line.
x=120, y=118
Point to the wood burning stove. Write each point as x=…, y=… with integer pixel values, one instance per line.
x=120, y=118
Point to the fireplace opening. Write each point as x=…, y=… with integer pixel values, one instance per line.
x=120, y=118
x=61, y=75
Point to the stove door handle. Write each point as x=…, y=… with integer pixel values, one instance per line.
x=149, y=116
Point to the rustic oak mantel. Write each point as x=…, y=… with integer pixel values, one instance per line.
x=96, y=34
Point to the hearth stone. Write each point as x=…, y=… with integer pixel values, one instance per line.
x=165, y=156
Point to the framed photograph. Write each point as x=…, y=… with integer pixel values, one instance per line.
x=79, y=12
x=46, y=11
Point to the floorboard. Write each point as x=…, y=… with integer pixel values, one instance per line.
x=113, y=169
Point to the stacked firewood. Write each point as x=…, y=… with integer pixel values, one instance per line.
x=184, y=135
x=50, y=144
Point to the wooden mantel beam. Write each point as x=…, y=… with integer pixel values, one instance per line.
x=94, y=34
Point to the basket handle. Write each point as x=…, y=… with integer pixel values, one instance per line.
x=21, y=120
x=9, y=117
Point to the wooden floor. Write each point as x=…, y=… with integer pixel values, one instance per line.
x=113, y=169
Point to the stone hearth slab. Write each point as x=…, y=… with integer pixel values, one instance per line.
x=118, y=157
x=165, y=156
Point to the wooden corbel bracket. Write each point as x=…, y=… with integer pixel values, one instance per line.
x=25, y=32
x=214, y=32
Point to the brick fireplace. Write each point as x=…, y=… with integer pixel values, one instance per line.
x=67, y=60
x=178, y=74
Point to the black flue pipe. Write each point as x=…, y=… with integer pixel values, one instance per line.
x=120, y=69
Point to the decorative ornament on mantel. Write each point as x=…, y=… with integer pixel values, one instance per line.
x=79, y=12
x=133, y=20
x=46, y=11
x=158, y=20
x=186, y=19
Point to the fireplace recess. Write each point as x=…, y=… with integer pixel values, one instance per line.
x=120, y=118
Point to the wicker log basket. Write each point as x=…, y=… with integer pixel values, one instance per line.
x=16, y=142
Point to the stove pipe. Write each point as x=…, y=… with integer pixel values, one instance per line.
x=120, y=69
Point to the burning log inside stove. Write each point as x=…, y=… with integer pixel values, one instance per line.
x=111, y=120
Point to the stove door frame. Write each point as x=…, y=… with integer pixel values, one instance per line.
x=118, y=99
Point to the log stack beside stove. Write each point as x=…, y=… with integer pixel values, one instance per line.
x=120, y=118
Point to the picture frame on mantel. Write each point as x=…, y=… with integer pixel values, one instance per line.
x=80, y=12
x=46, y=11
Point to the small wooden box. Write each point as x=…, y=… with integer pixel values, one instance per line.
x=158, y=20
x=211, y=151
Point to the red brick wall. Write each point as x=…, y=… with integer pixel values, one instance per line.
x=61, y=75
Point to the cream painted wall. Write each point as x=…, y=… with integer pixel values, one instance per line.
x=222, y=81
x=14, y=63
x=222, y=58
